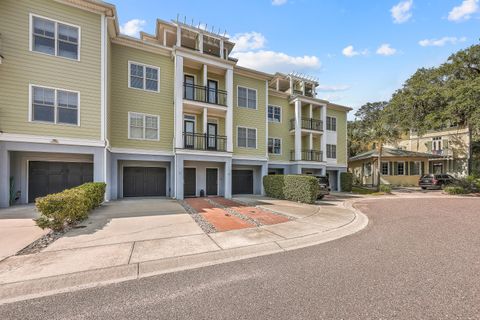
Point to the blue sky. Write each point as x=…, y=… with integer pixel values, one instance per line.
x=360, y=51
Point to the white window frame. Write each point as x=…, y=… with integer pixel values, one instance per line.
x=273, y=141
x=144, y=126
x=130, y=62
x=404, y=171
x=388, y=168
x=256, y=137
x=326, y=125
x=273, y=120
x=256, y=98
x=419, y=168
x=30, y=37
x=330, y=145
x=55, y=105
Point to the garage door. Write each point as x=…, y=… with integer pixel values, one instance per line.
x=242, y=181
x=144, y=181
x=46, y=177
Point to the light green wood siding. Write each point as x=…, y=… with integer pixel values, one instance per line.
x=282, y=130
x=250, y=118
x=341, y=134
x=125, y=99
x=22, y=67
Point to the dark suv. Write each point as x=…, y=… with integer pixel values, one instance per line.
x=324, y=185
x=435, y=181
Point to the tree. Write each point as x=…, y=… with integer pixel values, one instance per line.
x=378, y=128
x=355, y=138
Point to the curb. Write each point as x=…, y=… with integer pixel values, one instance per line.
x=29, y=289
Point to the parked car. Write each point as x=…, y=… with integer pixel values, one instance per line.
x=435, y=181
x=324, y=185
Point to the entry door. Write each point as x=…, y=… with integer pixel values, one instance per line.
x=189, y=133
x=212, y=182
x=212, y=91
x=189, y=87
x=212, y=136
x=189, y=182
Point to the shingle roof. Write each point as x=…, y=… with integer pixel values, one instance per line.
x=391, y=153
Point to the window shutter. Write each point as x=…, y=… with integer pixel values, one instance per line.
x=412, y=164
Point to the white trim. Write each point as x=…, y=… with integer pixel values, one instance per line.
x=130, y=62
x=256, y=137
x=30, y=37
x=397, y=162
x=326, y=153
x=55, y=106
x=256, y=98
x=281, y=146
x=326, y=126
x=388, y=168
x=213, y=154
x=144, y=126
x=218, y=181
x=13, y=137
x=141, y=151
x=281, y=114
x=249, y=158
x=103, y=73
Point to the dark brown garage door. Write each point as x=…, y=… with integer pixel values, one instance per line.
x=242, y=181
x=144, y=181
x=46, y=177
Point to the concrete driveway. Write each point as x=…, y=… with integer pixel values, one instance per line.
x=17, y=229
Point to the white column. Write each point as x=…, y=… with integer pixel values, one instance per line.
x=4, y=177
x=221, y=49
x=228, y=178
x=205, y=120
x=200, y=42
x=310, y=111
x=303, y=87
x=323, y=137
x=264, y=172
x=291, y=85
x=164, y=37
x=277, y=87
x=179, y=36
x=229, y=116
x=298, y=130
x=178, y=91
x=205, y=75
x=310, y=141
x=178, y=184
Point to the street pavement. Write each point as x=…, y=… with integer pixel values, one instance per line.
x=417, y=259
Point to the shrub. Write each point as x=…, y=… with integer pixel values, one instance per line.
x=69, y=206
x=300, y=188
x=386, y=188
x=455, y=190
x=346, y=181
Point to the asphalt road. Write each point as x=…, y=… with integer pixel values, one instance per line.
x=417, y=259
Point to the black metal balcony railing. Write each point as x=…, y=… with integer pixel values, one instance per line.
x=204, y=94
x=308, y=155
x=308, y=123
x=203, y=141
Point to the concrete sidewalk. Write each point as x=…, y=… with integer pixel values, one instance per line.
x=116, y=245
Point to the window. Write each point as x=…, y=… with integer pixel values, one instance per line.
x=55, y=38
x=143, y=126
x=400, y=168
x=247, y=98
x=437, y=143
x=274, y=145
x=367, y=169
x=143, y=77
x=274, y=114
x=415, y=168
x=246, y=137
x=331, y=151
x=385, y=169
x=331, y=124
x=54, y=105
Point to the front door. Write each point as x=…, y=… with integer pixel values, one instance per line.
x=189, y=92
x=212, y=136
x=212, y=91
x=189, y=134
x=212, y=182
x=189, y=182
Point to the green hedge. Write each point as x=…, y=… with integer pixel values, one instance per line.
x=386, y=188
x=69, y=206
x=455, y=190
x=346, y=181
x=292, y=187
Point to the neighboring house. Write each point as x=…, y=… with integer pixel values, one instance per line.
x=169, y=114
x=397, y=167
x=449, y=146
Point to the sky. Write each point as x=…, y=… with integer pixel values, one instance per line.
x=359, y=50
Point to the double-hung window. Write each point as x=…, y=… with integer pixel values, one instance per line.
x=54, y=105
x=400, y=168
x=246, y=137
x=55, y=38
x=143, y=77
x=143, y=126
x=331, y=124
x=415, y=168
x=247, y=98
x=274, y=146
x=385, y=168
x=274, y=114
x=331, y=151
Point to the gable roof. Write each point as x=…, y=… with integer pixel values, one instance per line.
x=392, y=153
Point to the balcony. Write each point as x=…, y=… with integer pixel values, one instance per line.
x=204, y=94
x=203, y=141
x=308, y=124
x=308, y=155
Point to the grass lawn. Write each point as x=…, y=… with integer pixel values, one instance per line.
x=361, y=190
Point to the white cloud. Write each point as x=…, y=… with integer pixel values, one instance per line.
x=349, y=51
x=441, y=42
x=463, y=11
x=386, y=50
x=401, y=12
x=278, y=2
x=132, y=27
x=248, y=41
x=271, y=61
x=332, y=88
